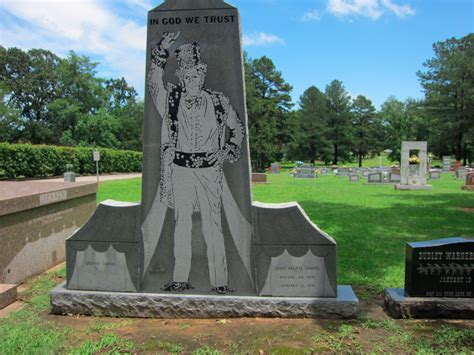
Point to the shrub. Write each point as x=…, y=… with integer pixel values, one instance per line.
x=39, y=161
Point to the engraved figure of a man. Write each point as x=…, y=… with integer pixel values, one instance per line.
x=200, y=132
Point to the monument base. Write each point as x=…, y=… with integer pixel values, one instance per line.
x=413, y=187
x=468, y=187
x=8, y=294
x=400, y=306
x=148, y=305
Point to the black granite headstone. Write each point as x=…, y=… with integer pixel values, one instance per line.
x=440, y=268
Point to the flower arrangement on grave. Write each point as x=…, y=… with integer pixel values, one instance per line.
x=414, y=160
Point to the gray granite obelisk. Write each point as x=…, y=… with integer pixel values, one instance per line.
x=196, y=203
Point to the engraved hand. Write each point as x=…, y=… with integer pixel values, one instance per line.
x=218, y=157
x=168, y=39
x=169, y=156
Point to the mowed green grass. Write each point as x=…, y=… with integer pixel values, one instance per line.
x=370, y=223
x=121, y=190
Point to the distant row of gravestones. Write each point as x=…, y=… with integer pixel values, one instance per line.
x=374, y=174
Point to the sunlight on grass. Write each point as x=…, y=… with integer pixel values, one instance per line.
x=371, y=224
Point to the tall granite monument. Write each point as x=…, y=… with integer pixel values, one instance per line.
x=414, y=162
x=196, y=246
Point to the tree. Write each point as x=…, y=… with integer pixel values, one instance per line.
x=339, y=122
x=51, y=100
x=123, y=104
x=366, y=128
x=32, y=83
x=311, y=142
x=11, y=125
x=399, y=125
x=448, y=83
x=95, y=130
x=268, y=102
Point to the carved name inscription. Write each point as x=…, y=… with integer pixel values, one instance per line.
x=291, y=276
x=444, y=270
x=52, y=197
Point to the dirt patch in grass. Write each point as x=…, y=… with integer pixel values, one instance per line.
x=373, y=331
x=466, y=209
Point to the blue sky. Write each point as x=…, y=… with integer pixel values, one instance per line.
x=374, y=47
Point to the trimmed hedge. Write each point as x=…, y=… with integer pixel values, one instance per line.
x=39, y=161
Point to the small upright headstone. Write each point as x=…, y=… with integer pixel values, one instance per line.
x=447, y=163
x=275, y=168
x=461, y=173
x=469, y=182
x=305, y=172
x=375, y=177
x=439, y=281
x=259, y=177
x=353, y=178
x=393, y=177
x=435, y=174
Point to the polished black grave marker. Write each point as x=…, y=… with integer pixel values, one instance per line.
x=440, y=268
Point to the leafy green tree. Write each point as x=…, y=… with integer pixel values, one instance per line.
x=46, y=99
x=399, y=125
x=311, y=141
x=95, y=130
x=123, y=105
x=366, y=128
x=448, y=83
x=11, y=125
x=80, y=85
x=268, y=102
x=32, y=82
x=339, y=121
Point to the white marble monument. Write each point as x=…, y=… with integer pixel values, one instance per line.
x=414, y=160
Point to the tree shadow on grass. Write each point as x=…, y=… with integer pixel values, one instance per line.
x=372, y=240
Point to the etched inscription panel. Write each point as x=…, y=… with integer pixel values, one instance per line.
x=291, y=276
x=440, y=268
x=101, y=271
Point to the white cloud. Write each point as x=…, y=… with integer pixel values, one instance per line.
x=261, y=38
x=367, y=8
x=311, y=15
x=399, y=10
x=144, y=4
x=85, y=26
x=372, y=9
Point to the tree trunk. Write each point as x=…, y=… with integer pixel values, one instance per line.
x=336, y=153
x=360, y=160
x=464, y=155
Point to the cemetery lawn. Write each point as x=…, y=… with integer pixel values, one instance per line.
x=371, y=225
